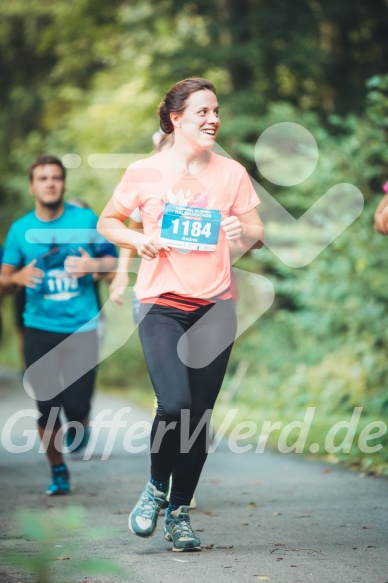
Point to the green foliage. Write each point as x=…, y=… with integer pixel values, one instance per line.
x=86, y=78
x=53, y=533
x=377, y=99
x=122, y=357
x=324, y=342
x=10, y=353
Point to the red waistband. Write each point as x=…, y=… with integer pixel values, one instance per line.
x=187, y=304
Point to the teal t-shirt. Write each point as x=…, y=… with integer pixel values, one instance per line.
x=61, y=303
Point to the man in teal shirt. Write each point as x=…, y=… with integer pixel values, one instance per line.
x=53, y=252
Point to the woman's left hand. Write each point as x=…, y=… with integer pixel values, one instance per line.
x=233, y=228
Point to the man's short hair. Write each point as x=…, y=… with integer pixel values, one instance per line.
x=43, y=161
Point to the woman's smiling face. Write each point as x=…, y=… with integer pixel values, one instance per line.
x=199, y=122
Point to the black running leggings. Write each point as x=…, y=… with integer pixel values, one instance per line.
x=187, y=373
x=61, y=369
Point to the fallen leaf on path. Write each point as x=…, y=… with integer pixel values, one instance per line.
x=277, y=513
x=63, y=558
x=208, y=546
x=252, y=506
x=211, y=513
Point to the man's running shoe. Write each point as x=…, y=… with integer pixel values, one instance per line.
x=143, y=518
x=70, y=436
x=177, y=528
x=60, y=485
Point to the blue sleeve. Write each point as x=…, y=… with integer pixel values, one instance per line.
x=12, y=253
x=105, y=249
x=101, y=247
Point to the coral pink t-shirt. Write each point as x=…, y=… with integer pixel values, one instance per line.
x=151, y=183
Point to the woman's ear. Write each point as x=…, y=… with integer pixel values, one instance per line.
x=175, y=119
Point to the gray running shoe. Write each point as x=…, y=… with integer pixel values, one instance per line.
x=143, y=518
x=177, y=529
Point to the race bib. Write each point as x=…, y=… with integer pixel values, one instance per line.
x=186, y=227
x=58, y=285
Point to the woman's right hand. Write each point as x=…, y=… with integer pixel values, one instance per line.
x=149, y=248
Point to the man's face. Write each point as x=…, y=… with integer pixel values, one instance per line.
x=48, y=185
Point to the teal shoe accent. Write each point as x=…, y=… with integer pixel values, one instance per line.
x=177, y=528
x=144, y=517
x=71, y=435
x=60, y=485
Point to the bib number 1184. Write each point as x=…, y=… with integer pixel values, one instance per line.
x=191, y=228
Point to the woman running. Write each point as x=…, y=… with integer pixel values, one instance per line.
x=192, y=203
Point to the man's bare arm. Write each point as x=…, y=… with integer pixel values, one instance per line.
x=11, y=276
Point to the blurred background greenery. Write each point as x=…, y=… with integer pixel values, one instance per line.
x=85, y=78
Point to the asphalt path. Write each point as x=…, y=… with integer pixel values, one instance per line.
x=261, y=517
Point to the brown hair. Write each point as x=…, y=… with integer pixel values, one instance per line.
x=43, y=161
x=176, y=98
